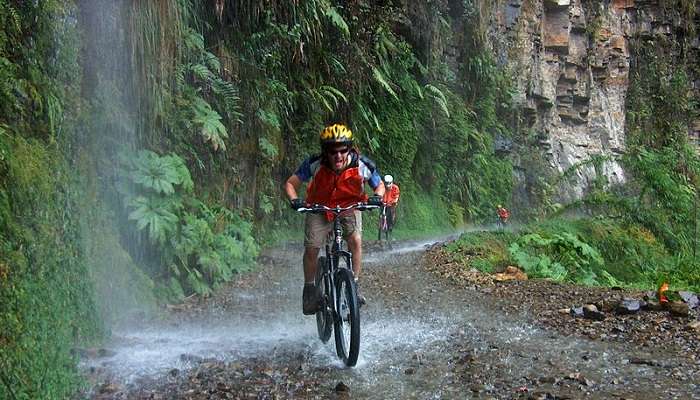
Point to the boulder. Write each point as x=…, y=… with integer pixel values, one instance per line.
x=511, y=273
x=590, y=311
x=689, y=298
x=628, y=306
x=678, y=308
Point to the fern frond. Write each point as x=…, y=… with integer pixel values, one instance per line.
x=210, y=121
x=380, y=78
x=202, y=72
x=212, y=61
x=194, y=40
x=439, y=98
x=337, y=20
x=334, y=92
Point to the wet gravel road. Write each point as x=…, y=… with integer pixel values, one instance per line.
x=422, y=338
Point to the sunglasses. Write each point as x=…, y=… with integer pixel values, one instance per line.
x=331, y=152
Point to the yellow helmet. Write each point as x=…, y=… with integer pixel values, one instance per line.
x=336, y=134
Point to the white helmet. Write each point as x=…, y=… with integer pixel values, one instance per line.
x=388, y=179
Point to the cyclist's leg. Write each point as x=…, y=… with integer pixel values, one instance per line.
x=316, y=229
x=310, y=257
x=390, y=216
x=352, y=229
x=315, y=233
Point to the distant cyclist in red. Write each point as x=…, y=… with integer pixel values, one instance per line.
x=503, y=215
x=391, y=199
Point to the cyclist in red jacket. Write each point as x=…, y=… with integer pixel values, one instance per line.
x=503, y=215
x=391, y=199
x=336, y=177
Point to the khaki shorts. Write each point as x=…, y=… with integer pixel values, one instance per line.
x=317, y=227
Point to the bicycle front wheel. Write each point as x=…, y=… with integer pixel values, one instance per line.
x=347, y=321
x=324, y=317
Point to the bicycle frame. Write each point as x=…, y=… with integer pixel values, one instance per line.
x=334, y=246
x=383, y=221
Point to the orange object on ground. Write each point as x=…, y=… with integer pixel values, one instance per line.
x=662, y=289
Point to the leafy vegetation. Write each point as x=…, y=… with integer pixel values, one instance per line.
x=201, y=246
x=46, y=302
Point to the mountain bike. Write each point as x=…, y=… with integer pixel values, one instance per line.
x=339, y=309
x=384, y=226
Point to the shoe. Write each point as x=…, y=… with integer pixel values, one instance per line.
x=310, y=299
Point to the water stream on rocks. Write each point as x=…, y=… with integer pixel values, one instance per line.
x=421, y=338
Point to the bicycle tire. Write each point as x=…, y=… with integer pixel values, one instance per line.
x=379, y=233
x=347, y=320
x=324, y=316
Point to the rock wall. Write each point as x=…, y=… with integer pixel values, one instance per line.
x=571, y=62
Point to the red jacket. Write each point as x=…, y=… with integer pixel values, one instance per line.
x=331, y=189
x=391, y=195
x=503, y=213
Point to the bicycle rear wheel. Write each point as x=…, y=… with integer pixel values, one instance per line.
x=347, y=321
x=324, y=317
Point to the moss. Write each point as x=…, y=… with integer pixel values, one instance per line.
x=49, y=301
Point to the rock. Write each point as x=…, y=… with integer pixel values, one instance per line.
x=693, y=326
x=607, y=305
x=628, y=306
x=678, y=308
x=409, y=371
x=590, y=311
x=564, y=310
x=511, y=273
x=689, y=298
x=653, y=305
x=342, y=388
x=477, y=388
x=644, y=361
x=109, y=387
x=576, y=312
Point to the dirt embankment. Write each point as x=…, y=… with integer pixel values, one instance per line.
x=620, y=315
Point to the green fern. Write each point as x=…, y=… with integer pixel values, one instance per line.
x=439, y=98
x=383, y=82
x=156, y=213
x=337, y=20
x=269, y=150
x=160, y=174
x=193, y=40
x=210, y=122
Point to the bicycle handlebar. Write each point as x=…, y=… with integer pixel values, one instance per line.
x=319, y=208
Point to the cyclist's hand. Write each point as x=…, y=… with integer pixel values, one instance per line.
x=296, y=203
x=375, y=201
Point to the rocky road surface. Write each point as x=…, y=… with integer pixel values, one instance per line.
x=428, y=332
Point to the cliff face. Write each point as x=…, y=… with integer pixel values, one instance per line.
x=571, y=61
